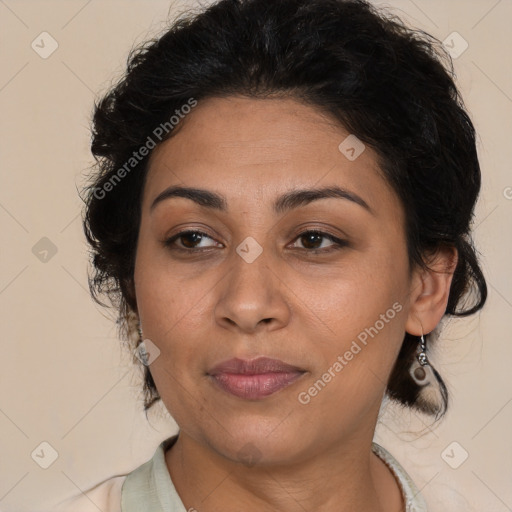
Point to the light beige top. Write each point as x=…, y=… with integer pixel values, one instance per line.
x=149, y=488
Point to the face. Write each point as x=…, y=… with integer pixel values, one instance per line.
x=317, y=281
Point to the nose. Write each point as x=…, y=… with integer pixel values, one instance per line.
x=252, y=296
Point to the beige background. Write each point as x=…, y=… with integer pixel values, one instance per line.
x=63, y=378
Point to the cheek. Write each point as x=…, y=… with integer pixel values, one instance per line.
x=354, y=297
x=362, y=316
x=356, y=361
x=172, y=316
x=175, y=308
x=172, y=312
x=164, y=297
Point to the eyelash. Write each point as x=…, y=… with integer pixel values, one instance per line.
x=338, y=243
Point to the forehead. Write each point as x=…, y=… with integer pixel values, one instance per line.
x=250, y=148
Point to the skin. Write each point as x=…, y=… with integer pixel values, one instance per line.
x=290, y=303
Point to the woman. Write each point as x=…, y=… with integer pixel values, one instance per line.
x=281, y=213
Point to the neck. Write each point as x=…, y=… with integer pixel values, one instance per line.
x=350, y=477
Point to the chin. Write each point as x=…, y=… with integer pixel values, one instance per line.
x=257, y=443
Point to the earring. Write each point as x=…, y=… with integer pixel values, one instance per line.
x=131, y=328
x=417, y=371
x=432, y=395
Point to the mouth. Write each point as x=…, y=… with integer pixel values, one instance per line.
x=254, y=379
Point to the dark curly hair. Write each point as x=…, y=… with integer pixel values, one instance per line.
x=391, y=86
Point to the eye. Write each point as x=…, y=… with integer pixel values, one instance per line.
x=192, y=240
x=189, y=241
x=312, y=241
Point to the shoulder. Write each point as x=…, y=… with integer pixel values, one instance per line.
x=149, y=485
x=105, y=496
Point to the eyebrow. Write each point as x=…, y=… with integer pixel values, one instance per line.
x=283, y=203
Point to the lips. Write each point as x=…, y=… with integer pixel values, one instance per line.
x=254, y=379
x=254, y=366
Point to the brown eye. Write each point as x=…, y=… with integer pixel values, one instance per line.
x=312, y=240
x=189, y=240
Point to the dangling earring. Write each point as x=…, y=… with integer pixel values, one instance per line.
x=432, y=395
x=417, y=371
x=131, y=328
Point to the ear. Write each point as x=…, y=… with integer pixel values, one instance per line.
x=429, y=292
